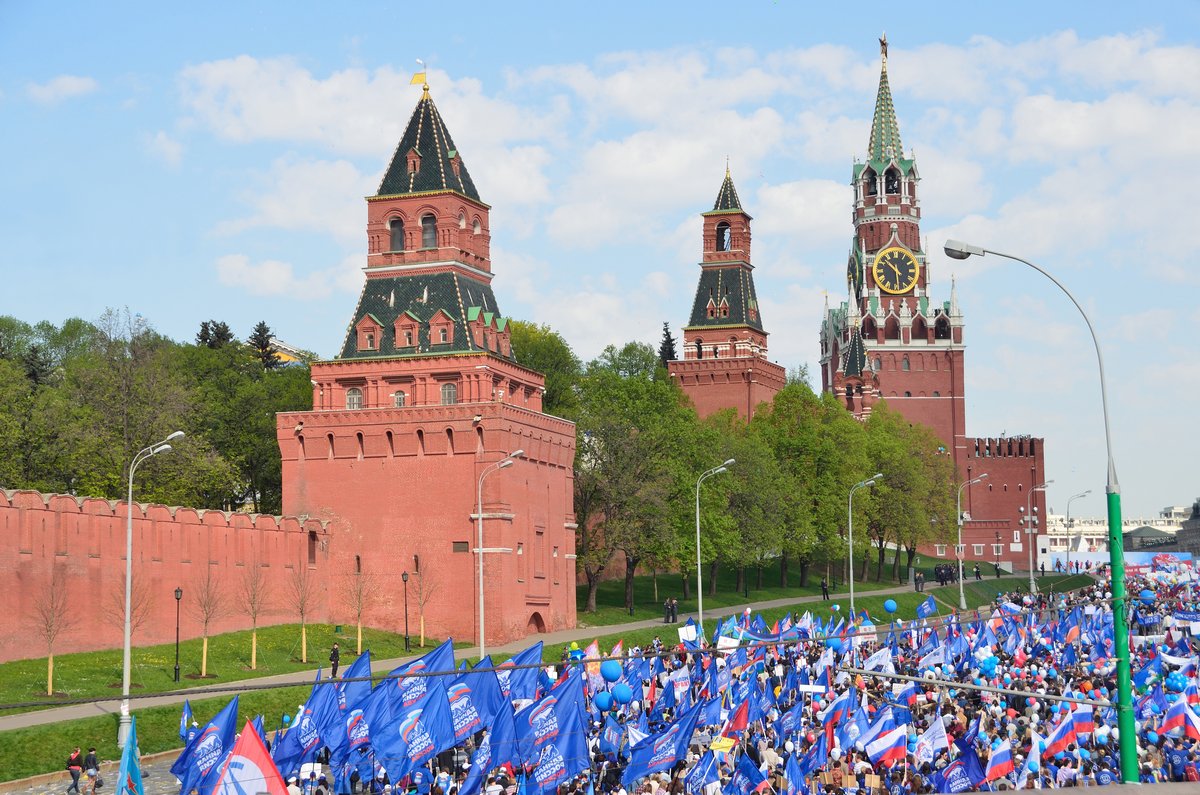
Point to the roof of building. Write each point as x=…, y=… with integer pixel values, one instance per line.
x=461, y=298
x=854, y=360
x=729, y=287
x=727, y=197
x=1146, y=531
x=426, y=134
x=884, y=146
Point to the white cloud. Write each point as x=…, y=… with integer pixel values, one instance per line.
x=310, y=195
x=61, y=88
x=275, y=278
x=164, y=147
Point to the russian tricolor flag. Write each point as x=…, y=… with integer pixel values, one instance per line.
x=1000, y=763
x=891, y=747
x=1181, y=717
x=1062, y=736
x=1083, y=718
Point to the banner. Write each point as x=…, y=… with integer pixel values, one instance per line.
x=200, y=763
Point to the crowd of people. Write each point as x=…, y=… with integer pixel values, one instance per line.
x=1019, y=695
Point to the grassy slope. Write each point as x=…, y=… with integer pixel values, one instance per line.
x=92, y=674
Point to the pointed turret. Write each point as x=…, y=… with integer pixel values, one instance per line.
x=727, y=197
x=426, y=159
x=884, y=145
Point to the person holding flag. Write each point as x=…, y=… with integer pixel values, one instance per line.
x=129, y=774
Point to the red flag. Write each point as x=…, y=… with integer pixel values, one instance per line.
x=738, y=721
x=249, y=768
x=652, y=692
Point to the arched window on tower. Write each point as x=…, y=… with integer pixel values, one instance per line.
x=920, y=330
x=878, y=364
x=868, y=329
x=354, y=398
x=396, y=231
x=870, y=183
x=449, y=394
x=723, y=236
x=904, y=365
x=891, y=329
x=891, y=181
x=699, y=350
x=941, y=329
x=428, y=231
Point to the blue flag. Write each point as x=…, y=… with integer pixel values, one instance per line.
x=661, y=751
x=611, y=737
x=705, y=772
x=793, y=777
x=564, y=755
x=541, y=722
x=816, y=757
x=964, y=774
x=475, y=698
x=185, y=720
x=199, y=766
x=304, y=738
x=497, y=748
x=927, y=608
x=348, y=728
x=416, y=733
x=405, y=689
x=521, y=683
x=129, y=776
x=746, y=778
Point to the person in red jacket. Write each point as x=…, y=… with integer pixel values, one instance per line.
x=75, y=768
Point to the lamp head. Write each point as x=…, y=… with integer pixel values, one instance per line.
x=877, y=476
x=175, y=435
x=505, y=464
x=956, y=249
x=178, y=594
x=984, y=476
x=719, y=470
x=516, y=454
x=162, y=448
x=404, y=576
x=729, y=463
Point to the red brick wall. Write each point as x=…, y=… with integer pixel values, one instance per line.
x=1014, y=466
x=716, y=384
x=172, y=547
x=410, y=489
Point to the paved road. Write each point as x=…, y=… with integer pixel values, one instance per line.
x=113, y=706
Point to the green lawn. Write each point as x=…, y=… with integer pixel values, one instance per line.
x=92, y=674
x=42, y=749
x=610, y=596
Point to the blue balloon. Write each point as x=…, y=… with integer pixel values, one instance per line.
x=603, y=701
x=1085, y=753
x=1152, y=737
x=1033, y=765
x=1147, y=596
x=890, y=605
x=834, y=643
x=610, y=670
x=623, y=693
x=836, y=608
x=287, y=719
x=1101, y=739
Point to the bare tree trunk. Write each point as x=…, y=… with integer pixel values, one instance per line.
x=254, y=648
x=804, y=566
x=358, y=645
x=758, y=578
x=783, y=570
x=630, y=569
x=204, y=657
x=654, y=577
x=712, y=578
x=593, y=583
x=879, y=563
x=740, y=582
x=50, y=675
x=687, y=585
x=422, y=622
x=303, y=643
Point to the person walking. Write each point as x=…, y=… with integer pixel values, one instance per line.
x=978, y=574
x=825, y=589
x=91, y=766
x=335, y=657
x=75, y=768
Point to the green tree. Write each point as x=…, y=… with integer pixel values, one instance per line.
x=261, y=345
x=666, y=348
x=214, y=334
x=540, y=348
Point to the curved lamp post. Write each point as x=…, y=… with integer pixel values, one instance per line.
x=503, y=463
x=139, y=457
x=699, y=583
x=850, y=531
x=962, y=597
x=957, y=249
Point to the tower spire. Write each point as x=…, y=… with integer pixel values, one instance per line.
x=884, y=145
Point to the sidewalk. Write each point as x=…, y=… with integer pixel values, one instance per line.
x=113, y=706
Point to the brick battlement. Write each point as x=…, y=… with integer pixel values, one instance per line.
x=83, y=538
x=1004, y=447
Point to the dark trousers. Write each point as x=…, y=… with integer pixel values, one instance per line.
x=74, y=780
x=333, y=669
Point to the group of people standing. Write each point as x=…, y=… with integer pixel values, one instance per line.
x=80, y=766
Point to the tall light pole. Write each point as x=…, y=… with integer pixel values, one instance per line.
x=178, y=599
x=699, y=576
x=404, y=579
x=1070, y=500
x=139, y=457
x=1116, y=553
x=850, y=531
x=1030, y=521
x=503, y=463
x=962, y=597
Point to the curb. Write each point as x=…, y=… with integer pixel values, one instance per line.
x=54, y=783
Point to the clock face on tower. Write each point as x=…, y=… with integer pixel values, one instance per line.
x=895, y=270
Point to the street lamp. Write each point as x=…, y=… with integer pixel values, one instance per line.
x=699, y=576
x=1116, y=554
x=178, y=599
x=1069, y=525
x=404, y=579
x=850, y=531
x=503, y=463
x=139, y=457
x=1030, y=521
x=962, y=597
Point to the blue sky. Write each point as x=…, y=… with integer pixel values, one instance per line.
x=196, y=162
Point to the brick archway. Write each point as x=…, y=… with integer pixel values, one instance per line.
x=536, y=625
